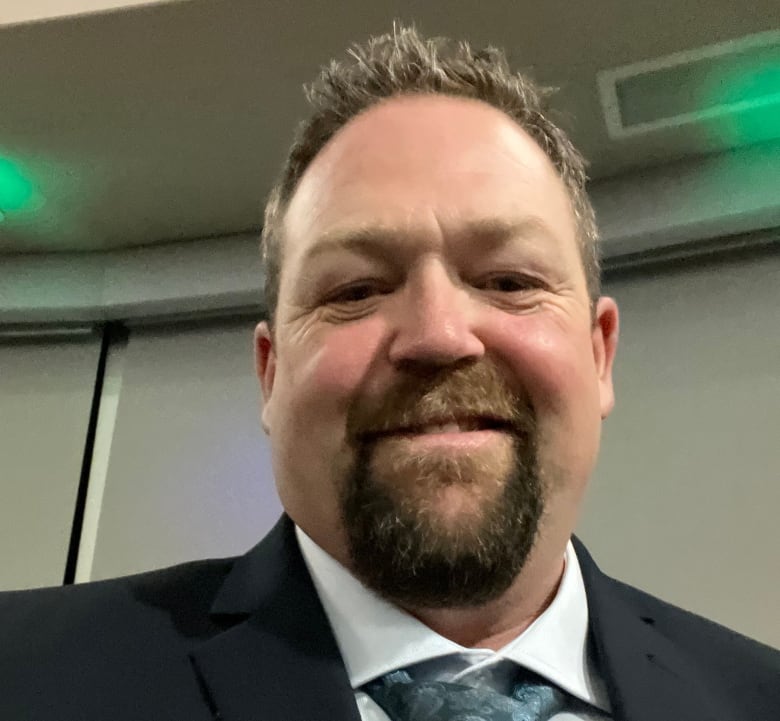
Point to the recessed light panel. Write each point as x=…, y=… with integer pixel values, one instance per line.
x=738, y=79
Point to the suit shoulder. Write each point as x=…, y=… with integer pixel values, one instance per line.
x=735, y=658
x=108, y=649
x=180, y=594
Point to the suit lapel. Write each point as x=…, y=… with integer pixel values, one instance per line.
x=647, y=677
x=278, y=659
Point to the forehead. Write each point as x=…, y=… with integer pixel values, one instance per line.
x=427, y=163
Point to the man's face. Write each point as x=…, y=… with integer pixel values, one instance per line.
x=435, y=384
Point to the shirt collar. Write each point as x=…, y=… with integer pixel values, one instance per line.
x=376, y=637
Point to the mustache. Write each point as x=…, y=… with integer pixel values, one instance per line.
x=476, y=394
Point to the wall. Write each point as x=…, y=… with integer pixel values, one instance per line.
x=45, y=399
x=15, y=11
x=683, y=502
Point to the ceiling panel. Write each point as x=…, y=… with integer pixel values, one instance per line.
x=168, y=122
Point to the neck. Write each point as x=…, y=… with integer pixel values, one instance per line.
x=494, y=624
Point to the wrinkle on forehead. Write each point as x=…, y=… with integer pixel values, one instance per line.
x=386, y=242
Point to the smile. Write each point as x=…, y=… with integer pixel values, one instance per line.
x=464, y=433
x=455, y=425
x=464, y=426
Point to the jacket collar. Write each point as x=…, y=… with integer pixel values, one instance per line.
x=278, y=658
x=647, y=676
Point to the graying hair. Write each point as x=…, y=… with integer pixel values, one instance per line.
x=405, y=63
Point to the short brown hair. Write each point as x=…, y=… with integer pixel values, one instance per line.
x=402, y=63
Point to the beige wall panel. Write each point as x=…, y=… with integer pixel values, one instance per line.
x=189, y=473
x=46, y=390
x=683, y=502
x=685, y=499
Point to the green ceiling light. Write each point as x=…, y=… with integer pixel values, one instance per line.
x=731, y=89
x=755, y=82
x=16, y=191
x=750, y=85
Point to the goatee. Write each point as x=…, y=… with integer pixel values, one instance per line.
x=400, y=542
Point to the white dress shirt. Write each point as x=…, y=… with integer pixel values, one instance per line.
x=376, y=637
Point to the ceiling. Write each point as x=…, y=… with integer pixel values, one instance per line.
x=166, y=122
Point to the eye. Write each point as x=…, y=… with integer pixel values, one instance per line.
x=355, y=293
x=508, y=283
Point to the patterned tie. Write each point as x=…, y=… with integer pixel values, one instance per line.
x=403, y=699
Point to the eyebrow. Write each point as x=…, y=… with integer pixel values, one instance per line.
x=386, y=242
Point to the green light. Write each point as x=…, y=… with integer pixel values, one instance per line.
x=16, y=191
x=749, y=84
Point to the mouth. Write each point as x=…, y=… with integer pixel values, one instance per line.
x=446, y=426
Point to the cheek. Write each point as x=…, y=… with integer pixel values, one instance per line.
x=315, y=382
x=553, y=363
x=327, y=370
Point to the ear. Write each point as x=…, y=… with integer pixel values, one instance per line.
x=265, y=367
x=604, y=338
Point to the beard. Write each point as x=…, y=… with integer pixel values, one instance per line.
x=402, y=542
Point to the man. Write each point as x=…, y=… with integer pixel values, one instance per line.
x=435, y=369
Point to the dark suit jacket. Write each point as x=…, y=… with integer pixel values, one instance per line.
x=247, y=639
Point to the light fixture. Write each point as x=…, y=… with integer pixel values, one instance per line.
x=735, y=83
x=16, y=191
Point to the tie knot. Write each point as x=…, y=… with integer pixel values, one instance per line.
x=469, y=695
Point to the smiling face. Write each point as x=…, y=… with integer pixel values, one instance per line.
x=435, y=380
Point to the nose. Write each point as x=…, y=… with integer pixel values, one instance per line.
x=435, y=323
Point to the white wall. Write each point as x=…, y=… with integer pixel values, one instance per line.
x=188, y=475
x=46, y=390
x=685, y=499
x=19, y=11
x=683, y=503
